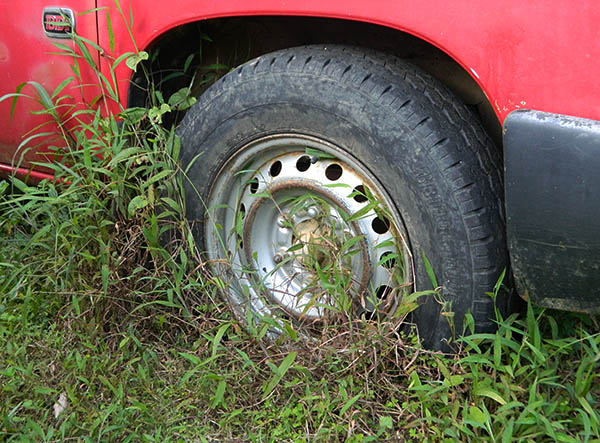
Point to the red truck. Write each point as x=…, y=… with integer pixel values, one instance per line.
x=428, y=135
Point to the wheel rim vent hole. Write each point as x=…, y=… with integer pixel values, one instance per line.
x=303, y=163
x=275, y=169
x=243, y=210
x=360, y=194
x=333, y=172
x=253, y=186
x=388, y=260
x=383, y=292
x=380, y=225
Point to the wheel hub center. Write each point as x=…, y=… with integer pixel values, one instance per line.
x=317, y=246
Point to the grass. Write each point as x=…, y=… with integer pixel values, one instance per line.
x=113, y=333
x=135, y=364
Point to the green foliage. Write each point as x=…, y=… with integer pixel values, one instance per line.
x=102, y=303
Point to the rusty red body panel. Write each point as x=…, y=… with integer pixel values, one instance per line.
x=26, y=54
x=536, y=54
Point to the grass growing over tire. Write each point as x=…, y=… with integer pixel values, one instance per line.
x=108, y=335
x=134, y=363
x=133, y=336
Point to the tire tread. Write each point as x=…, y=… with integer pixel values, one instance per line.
x=457, y=142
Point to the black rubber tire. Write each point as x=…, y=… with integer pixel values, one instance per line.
x=426, y=148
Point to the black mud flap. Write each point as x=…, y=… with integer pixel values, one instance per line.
x=552, y=166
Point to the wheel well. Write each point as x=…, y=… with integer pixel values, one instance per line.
x=218, y=45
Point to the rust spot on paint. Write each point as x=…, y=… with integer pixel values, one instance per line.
x=4, y=54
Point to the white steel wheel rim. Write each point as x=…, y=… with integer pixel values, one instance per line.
x=283, y=208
